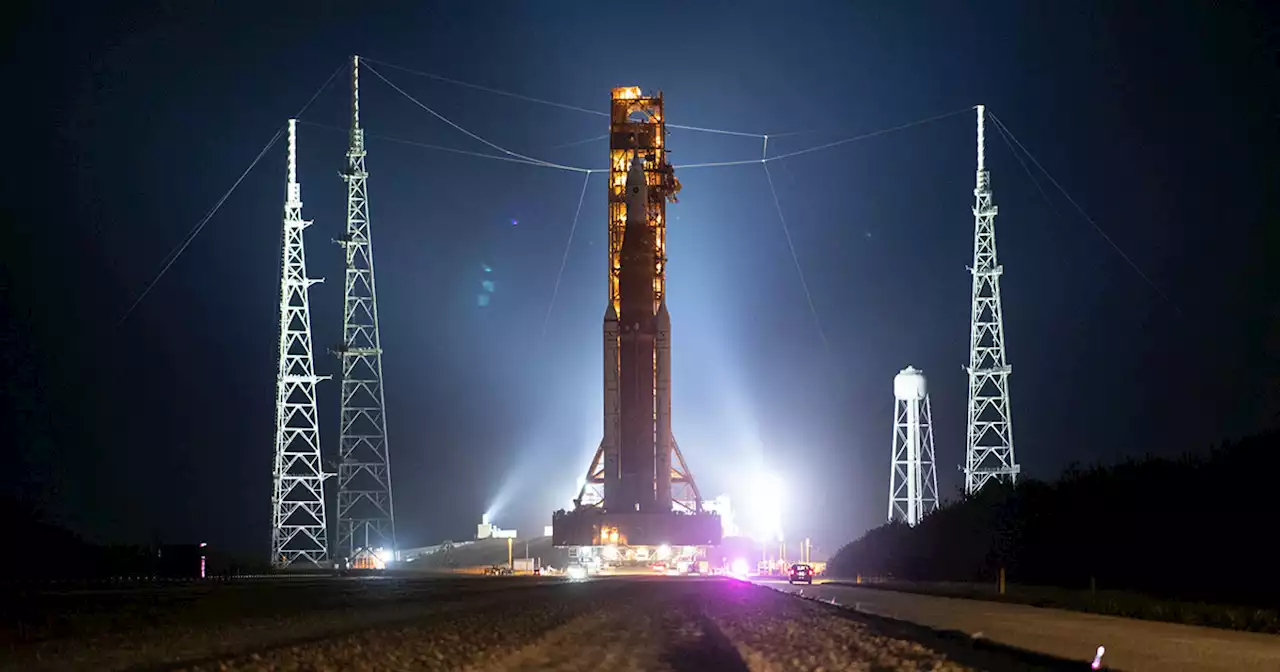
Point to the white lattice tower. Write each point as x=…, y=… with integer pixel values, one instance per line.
x=989, y=452
x=298, y=512
x=365, y=516
x=913, y=481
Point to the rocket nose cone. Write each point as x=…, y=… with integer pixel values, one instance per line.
x=610, y=315
x=636, y=170
x=664, y=318
x=636, y=186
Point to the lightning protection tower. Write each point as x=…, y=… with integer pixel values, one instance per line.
x=298, y=516
x=366, y=527
x=989, y=451
x=913, y=483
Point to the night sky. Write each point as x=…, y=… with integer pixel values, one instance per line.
x=1159, y=119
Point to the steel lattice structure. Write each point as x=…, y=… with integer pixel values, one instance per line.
x=298, y=505
x=365, y=516
x=989, y=451
x=913, y=481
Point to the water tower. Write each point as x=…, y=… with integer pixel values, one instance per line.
x=913, y=483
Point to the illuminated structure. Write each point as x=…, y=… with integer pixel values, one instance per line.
x=989, y=451
x=638, y=489
x=913, y=483
x=723, y=507
x=365, y=515
x=298, y=517
x=487, y=530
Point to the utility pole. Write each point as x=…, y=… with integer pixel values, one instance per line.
x=989, y=452
x=365, y=516
x=299, y=528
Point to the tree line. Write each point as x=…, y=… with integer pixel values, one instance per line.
x=44, y=550
x=1200, y=528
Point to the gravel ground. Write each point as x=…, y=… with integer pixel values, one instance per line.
x=621, y=624
x=658, y=627
x=476, y=637
x=773, y=631
x=124, y=629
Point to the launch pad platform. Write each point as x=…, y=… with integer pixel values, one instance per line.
x=592, y=526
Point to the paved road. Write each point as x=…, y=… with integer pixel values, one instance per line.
x=645, y=624
x=1132, y=645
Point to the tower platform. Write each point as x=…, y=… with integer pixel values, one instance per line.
x=593, y=526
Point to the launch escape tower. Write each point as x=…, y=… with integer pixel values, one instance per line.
x=299, y=527
x=638, y=484
x=913, y=482
x=989, y=451
x=365, y=516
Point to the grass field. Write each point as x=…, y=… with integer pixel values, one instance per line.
x=1109, y=602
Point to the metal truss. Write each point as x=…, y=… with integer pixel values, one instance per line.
x=591, y=493
x=913, y=481
x=299, y=528
x=989, y=451
x=685, y=495
x=684, y=491
x=365, y=515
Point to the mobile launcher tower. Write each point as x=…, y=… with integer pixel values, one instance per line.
x=638, y=490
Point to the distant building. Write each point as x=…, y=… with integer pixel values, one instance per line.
x=487, y=530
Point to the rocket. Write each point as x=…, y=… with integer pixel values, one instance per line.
x=637, y=373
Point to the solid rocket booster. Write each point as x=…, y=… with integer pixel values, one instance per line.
x=612, y=419
x=665, y=439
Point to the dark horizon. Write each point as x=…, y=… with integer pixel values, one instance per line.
x=1159, y=121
